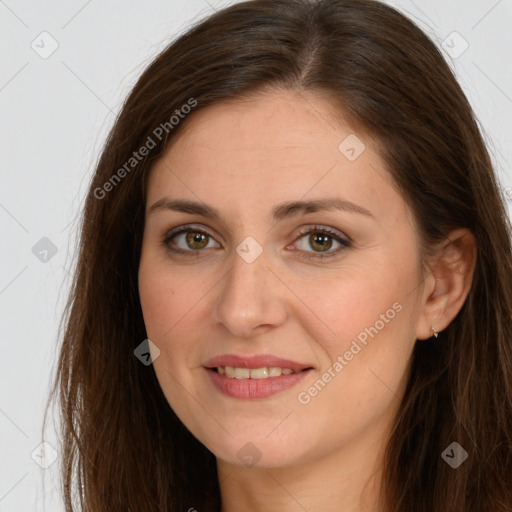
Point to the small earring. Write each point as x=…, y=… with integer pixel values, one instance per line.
x=435, y=332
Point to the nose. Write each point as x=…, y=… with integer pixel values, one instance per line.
x=250, y=298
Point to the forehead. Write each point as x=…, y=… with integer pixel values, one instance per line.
x=266, y=121
x=261, y=150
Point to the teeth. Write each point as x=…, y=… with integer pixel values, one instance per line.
x=274, y=371
x=254, y=373
x=242, y=373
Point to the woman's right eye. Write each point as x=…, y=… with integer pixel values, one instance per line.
x=187, y=239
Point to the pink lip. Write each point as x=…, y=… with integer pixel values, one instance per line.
x=257, y=361
x=254, y=388
x=249, y=389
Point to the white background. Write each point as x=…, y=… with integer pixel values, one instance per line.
x=55, y=114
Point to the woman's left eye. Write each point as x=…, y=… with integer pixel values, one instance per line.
x=319, y=238
x=322, y=238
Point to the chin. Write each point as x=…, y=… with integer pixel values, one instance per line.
x=258, y=452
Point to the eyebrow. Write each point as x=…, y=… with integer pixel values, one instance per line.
x=279, y=212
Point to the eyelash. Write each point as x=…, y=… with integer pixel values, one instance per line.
x=345, y=243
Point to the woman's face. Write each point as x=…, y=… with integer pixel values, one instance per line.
x=341, y=304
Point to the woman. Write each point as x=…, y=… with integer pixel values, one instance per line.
x=294, y=286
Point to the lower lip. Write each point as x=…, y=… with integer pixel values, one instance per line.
x=254, y=388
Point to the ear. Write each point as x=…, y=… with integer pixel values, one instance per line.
x=449, y=282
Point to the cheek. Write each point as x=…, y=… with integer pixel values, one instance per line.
x=165, y=303
x=164, y=300
x=172, y=307
x=157, y=303
x=366, y=335
x=364, y=374
x=359, y=303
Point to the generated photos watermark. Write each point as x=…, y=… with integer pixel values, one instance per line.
x=137, y=156
x=304, y=397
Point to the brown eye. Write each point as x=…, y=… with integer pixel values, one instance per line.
x=320, y=241
x=188, y=239
x=196, y=240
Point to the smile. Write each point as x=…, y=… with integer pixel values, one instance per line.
x=254, y=383
x=254, y=373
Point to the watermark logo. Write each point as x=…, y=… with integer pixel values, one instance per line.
x=454, y=455
x=44, y=455
x=249, y=249
x=44, y=45
x=508, y=193
x=455, y=45
x=249, y=455
x=351, y=147
x=44, y=250
x=147, y=352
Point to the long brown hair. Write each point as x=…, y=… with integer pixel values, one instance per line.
x=123, y=448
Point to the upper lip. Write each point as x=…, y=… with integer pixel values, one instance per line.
x=256, y=361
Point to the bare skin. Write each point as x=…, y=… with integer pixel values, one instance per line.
x=310, y=451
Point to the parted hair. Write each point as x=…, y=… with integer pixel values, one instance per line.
x=122, y=446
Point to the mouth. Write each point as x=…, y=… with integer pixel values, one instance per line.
x=265, y=372
x=266, y=365
x=254, y=377
x=258, y=377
